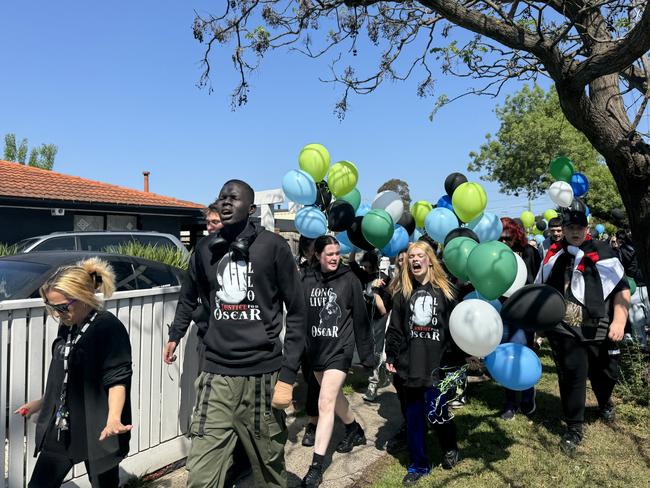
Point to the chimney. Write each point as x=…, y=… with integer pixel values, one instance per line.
x=146, y=181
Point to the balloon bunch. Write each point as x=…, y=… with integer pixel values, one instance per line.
x=569, y=187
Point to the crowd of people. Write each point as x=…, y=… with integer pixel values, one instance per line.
x=262, y=315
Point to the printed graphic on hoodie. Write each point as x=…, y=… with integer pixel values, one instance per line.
x=329, y=315
x=235, y=298
x=424, y=316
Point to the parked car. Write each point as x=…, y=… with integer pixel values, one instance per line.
x=21, y=275
x=95, y=241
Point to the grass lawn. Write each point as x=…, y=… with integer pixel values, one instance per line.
x=525, y=453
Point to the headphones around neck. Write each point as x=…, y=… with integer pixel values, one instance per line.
x=239, y=247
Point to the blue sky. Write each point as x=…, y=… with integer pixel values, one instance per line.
x=113, y=84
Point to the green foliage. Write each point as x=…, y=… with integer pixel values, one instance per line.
x=634, y=382
x=533, y=131
x=7, y=249
x=164, y=254
x=39, y=157
x=400, y=187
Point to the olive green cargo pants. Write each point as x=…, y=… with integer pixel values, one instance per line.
x=232, y=407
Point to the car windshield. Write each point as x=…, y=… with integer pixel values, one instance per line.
x=15, y=275
x=24, y=244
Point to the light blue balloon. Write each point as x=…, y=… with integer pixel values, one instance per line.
x=530, y=237
x=488, y=227
x=587, y=211
x=580, y=184
x=514, y=366
x=311, y=222
x=344, y=241
x=445, y=202
x=440, y=222
x=476, y=295
x=539, y=239
x=600, y=228
x=417, y=233
x=363, y=209
x=399, y=242
x=299, y=187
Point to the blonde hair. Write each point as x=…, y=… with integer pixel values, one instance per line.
x=435, y=274
x=82, y=281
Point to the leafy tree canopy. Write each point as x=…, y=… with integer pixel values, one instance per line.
x=400, y=187
x=40, y=157
x=533, y=131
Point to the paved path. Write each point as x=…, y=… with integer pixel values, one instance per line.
x=380, y=421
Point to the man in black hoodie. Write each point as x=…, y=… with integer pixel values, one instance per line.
x=247, y=274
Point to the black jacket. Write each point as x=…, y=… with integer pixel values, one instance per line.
x=246, y=306
x=627, y=255
x=101, y=359
x=337, y=317
x=418, y=335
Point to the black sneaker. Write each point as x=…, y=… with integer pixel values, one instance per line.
x=570, y=442
x=354, y=437
x=608, y=413
x=508, y=414
x=450, y=459
x=412, y=478
x=398, y=441
x=309, y=438
x=313, y=478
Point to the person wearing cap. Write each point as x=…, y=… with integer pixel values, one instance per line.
x=592, y=280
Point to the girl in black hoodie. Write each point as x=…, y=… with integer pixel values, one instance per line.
x=337, y=318
x=416, y=339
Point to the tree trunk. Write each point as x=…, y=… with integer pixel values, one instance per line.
x=602, y=117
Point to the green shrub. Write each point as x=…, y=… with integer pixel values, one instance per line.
x=7, y=249
x=163, y=254
x=634, y=381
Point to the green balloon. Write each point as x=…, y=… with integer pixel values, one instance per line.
x=562, y=169
x=550, y=214
x=469, y=200
x=456, y=254
x=492, y=269
x=632, y=284
x=528, y=219
x=377, y=227
x=353, y=198
x=419, y=211
x=342, y=178
x=315, y=160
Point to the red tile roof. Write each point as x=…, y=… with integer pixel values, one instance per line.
x=20, y=181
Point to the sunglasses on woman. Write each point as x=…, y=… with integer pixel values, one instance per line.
x=60, y=308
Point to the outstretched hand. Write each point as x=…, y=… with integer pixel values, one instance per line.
x=114, y=427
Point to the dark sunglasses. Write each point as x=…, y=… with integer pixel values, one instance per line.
x=60, y=308
x=505, y=238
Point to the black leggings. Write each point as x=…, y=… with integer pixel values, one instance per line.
x=576, y=361
x=51, y=469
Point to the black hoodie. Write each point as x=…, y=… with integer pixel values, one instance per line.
x=337, y=317
x=418, y=334
x=246, y=298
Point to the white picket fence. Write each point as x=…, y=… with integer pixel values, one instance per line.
x=161, y=396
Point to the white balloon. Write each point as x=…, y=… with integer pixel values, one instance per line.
x=561, y=193
x=476, y=327
x=391, y=202
x=520, y=279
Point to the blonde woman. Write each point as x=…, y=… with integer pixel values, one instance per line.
x=85, y=413
x=416, y=339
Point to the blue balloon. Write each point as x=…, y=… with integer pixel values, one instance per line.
x=488, y=227
x=363, y=209
x=580, y=184
x=299, y=187
x=600, y=228
x=587, y=211
x=530, y=237
x=539, y=239
x=476, y=295
x=311, y=222
x=344, y=241
x=399, y=242
x=440, y=222
x=514, y=366
x=445, y=202
x=417, y=233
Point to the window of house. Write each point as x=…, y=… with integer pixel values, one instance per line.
x=122, y=222
x=86, y=223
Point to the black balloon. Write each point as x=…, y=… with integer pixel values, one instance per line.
x=541, y=225
x=323, y=195
x=356, y=236
x=578, y=205
x=618, y=214
x=461, y=232
x=534, y=307
x=340, y=216
x=453, y=181
x=407, y=221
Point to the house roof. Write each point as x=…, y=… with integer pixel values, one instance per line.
x=21, y=181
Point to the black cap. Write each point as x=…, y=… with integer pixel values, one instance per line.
x=576, y=217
